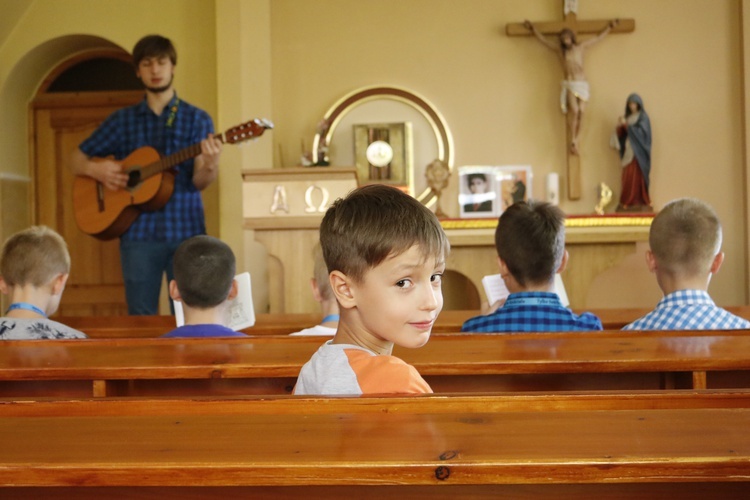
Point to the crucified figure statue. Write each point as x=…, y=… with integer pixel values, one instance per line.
x=575, y=88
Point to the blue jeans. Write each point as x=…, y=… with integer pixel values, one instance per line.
x=143, y=265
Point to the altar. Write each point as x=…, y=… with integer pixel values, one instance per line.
x=284, y=208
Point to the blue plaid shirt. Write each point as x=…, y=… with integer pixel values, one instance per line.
x=136, y=126
x=532, y=312
x=688, y=310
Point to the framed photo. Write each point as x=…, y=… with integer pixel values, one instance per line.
x=383, y=154
x=515, y=185
x=486, y=191
x=478, y=192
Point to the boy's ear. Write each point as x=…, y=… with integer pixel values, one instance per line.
x=717, y=262
x=503, y=268
x=4, y=288
x=650, y=261
x=174, y=292
x=58, y=283
x=233, y=290
x=563, y=262
x=341, y=285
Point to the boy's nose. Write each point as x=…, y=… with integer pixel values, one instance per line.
x=430, y=299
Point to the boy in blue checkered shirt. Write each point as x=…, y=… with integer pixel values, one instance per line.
x=685, y=251
x=168, y=124
x=530, y=242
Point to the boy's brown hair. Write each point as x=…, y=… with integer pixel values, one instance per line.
x=685, y=236
x=34, y=257
x=374, y=222
x=153, y=46
x=204, y=268
x=530, y=238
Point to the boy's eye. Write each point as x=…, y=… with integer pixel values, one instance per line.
x=403, y=283
x=436, y=278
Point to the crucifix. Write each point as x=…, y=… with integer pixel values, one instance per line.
x=575, y=88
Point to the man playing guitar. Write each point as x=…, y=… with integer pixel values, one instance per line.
x=168, y=124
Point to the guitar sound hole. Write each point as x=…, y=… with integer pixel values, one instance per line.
x=134, y=178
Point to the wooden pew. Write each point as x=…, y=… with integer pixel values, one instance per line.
x=588, y=446
x=495, y=402
x=450, y=363
x=102, y=327
x=106, y=327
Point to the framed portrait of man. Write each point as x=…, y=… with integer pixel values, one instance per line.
x=478, y=192
x=486, y=191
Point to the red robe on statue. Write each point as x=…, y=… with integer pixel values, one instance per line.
x=634, y=190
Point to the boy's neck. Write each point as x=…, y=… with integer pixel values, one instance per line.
x=514, y=287
x=157, y=101
x=210, y=316
x=671, y=283
x=345, y=334
x=29, y=294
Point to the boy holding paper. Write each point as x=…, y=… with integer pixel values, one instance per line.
x=204, y=282
x=530, y=242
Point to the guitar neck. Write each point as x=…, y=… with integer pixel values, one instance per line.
x=174, y=159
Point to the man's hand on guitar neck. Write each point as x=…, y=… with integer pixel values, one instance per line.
x=105, y=170
x=207, y=163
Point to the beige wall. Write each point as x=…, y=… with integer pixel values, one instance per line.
x=289, y=60
x=49, y=31
x=500, y=95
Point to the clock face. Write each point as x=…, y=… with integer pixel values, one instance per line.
x=379, y=153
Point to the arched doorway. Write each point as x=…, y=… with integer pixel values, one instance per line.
x=71, y=102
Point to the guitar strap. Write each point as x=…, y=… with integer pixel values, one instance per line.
x=174, y=106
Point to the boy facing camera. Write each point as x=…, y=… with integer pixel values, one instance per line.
x=385, y=253
x=204, y=282
x=685, y=252
x=35, y=264
x=530, y=242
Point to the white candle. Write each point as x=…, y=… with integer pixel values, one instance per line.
x=553, y=188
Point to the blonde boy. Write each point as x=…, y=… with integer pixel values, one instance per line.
x=323, y=294
x=685, y=251
x=34, y=268
x=385, y=254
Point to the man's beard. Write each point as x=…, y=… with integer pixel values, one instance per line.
x=163, y=88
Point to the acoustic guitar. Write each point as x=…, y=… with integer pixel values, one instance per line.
x=106, y=214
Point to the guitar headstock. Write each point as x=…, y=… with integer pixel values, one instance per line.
x=246, y=131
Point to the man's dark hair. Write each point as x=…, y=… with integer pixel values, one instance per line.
x=471, y=177
x=204, y=268
x=530, y=238
x=153, y=46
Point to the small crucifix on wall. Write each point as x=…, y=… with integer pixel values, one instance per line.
x=575, y=87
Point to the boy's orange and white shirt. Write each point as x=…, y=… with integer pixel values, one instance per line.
x=350, y=369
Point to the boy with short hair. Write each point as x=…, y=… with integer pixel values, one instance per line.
x=685, y=251
x=204, y=269
x=385, y=254
x=323, y=294
x=530, y=242
x=34, y=267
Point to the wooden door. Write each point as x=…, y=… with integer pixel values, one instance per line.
x=60, y=123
